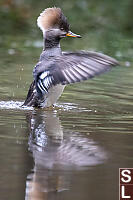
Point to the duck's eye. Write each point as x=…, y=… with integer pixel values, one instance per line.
x=62, y=28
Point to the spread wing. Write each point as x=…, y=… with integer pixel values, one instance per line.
x=71, y=68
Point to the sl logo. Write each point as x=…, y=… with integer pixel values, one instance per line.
x=126, y=184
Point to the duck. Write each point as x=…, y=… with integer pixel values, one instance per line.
x=56, y=69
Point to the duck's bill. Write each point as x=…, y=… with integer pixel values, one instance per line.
x=70, y=34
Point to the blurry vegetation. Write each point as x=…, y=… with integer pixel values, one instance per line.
x=92, y=14
x=105, y=25
x=13, y=16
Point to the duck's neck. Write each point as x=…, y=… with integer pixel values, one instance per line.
x=52, y=47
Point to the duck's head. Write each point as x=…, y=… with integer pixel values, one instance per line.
x=54, y=24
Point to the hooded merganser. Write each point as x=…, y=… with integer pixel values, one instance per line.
x=55, y=68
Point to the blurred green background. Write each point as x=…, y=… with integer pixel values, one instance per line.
x=96, y=20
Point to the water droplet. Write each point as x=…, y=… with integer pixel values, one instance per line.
x=11, y=51
x=127, y=64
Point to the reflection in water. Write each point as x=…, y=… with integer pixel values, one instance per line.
x=55, y=154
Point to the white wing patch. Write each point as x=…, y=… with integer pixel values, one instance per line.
x=44, y=74
x=44, y=81
x=47, y=81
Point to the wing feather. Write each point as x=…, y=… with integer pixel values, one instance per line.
x=70, y=68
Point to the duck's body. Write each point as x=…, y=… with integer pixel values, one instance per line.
x=55, y=69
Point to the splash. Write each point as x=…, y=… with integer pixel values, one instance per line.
x=17, y=105
x=13, y=105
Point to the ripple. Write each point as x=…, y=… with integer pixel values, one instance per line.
x=72, y=107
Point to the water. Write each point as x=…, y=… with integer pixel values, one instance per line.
x=75, y=150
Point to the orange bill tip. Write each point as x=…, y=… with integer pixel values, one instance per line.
x=70, y=34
